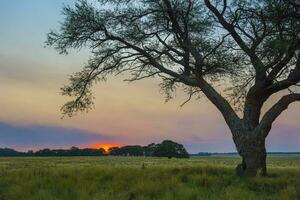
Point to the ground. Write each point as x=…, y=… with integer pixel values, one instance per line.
x=129, y=178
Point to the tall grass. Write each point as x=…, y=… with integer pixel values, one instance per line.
x=123, y=178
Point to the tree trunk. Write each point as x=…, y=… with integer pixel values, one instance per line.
x=251, y=148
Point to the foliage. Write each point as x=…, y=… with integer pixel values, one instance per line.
x=165, y=149
x=195, y=44
x=10, y=152
x=123, y=178
x=170, y=149
x=73, y=151
x=128, y=151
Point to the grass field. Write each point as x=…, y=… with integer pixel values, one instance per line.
x=124, y=178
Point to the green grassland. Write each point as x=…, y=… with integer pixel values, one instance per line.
x=128, y=178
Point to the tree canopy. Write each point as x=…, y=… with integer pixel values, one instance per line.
x=167, y=148
x=179, y=40
x=170, y=149
x=237, y=53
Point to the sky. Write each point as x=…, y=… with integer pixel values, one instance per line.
x=125, y=113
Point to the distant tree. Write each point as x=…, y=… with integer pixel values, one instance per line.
x=30, y=152
x=237, y=53
x=114, y=151
x=204, y=154
x=170, y=149
x=149, y=149
x=135, y=150
x=73, y=151
x=45, y=152
x=5, y=152
x=92, y=152
x=166, y=149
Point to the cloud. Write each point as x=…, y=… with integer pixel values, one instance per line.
x=35, y=137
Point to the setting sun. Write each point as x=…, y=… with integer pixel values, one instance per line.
x=104, y=146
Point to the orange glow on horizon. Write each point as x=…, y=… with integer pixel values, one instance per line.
x=104, y=146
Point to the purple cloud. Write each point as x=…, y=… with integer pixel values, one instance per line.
x=33, y=137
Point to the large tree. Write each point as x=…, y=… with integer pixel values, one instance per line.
x=237, y=53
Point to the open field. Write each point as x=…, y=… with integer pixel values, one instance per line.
x=124, y=178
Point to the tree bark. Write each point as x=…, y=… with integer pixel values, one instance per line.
x=251, y=147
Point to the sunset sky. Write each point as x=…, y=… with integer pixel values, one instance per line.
x=30, y=80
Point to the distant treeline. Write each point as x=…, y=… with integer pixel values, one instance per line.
x=235, y=153
x=167, y=148
x=11, y=152
x=73, y=151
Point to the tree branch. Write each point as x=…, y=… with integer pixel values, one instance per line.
x=292, y=79
x=272, y=114
x=277, y=66
x=257, y=63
